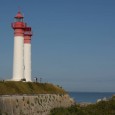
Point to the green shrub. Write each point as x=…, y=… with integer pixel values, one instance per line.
x=101, y=108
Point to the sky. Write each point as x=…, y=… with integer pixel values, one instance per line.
x=73, y=42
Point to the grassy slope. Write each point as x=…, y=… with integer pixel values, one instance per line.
x=11, y=87
x=101, y=108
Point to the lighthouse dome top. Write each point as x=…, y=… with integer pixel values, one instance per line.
x=19, y=15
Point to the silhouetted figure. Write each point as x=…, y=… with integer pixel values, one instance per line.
x=36, y=79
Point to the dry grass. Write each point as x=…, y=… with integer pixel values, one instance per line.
x=12, y=88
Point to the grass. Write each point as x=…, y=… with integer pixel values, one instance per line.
x=13, y=88
x=101, y=108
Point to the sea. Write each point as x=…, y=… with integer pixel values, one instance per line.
x=90, y=97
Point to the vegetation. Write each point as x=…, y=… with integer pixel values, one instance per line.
x=14, y=88
x=100, y=108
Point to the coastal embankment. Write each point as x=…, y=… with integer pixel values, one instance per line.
x=33, y=104
x=29, y=98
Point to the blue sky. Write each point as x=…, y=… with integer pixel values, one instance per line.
x=73, y=43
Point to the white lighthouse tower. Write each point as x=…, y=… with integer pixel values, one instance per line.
x=27, y=53
x=18, y=60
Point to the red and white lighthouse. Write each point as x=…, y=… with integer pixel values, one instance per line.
x=27, y=53
x=18, y=60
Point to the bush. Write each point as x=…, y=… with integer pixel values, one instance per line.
x=101, y=108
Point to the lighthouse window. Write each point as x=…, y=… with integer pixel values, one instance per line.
x=19, y=20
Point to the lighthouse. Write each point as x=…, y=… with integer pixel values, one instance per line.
x=18, y=59
x=27, y=53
